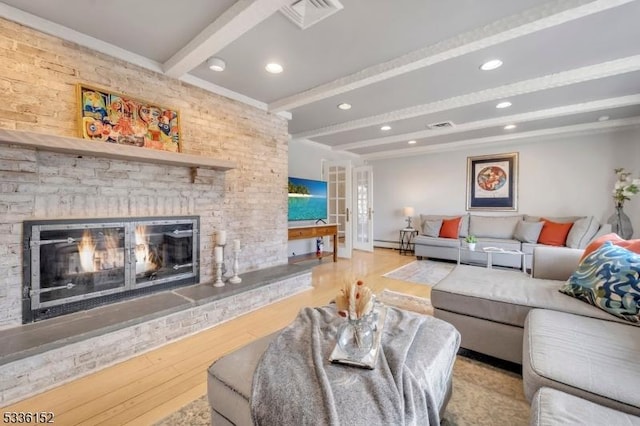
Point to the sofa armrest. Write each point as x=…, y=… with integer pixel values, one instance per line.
x=555, y=263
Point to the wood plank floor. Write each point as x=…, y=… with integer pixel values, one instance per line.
x=148, y=387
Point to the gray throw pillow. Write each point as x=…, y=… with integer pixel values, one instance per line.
x=582, y=232
x=528, y=232
x=431, y=228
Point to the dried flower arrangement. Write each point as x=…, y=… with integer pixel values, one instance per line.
x=355, y=300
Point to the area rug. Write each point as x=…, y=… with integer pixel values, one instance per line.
x=406, y=301
x=427, y=272
x=482, y=395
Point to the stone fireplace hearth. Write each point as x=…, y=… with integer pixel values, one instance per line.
x=72, y=265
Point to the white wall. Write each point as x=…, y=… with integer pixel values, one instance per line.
x=306, y=160
x=561, y=176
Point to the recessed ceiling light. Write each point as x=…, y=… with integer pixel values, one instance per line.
x=216, y=64
x=510, y=126
x=274, y=68
x=505, y=104
x=385, y=128
x=603, y=118
x=491, y=65
x=411, y=142
x=344, y=106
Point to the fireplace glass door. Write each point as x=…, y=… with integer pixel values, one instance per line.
x=163, y=252
x=75, y=265
x=77, y=261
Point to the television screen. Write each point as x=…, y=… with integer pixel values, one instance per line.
x=307, y=199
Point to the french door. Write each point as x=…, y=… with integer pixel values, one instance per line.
x=338, y=177
x=363, y=218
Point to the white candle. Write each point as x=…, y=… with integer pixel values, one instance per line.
x=236, y=245
x=218, y=254
x=222, y=238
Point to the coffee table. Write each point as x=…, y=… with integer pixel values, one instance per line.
x=229, y=379
x=490, y=251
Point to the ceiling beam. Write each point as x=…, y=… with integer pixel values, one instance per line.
x=550, y=81
x=530, y=21
x=561, y=111
x=228, y=27
x=534, y=136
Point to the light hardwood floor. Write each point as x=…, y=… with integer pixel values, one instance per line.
x=145, y=389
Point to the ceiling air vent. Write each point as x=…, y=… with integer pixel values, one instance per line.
x=441, y=125
x=305, y=13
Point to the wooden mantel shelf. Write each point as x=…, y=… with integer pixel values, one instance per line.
x=77, y=146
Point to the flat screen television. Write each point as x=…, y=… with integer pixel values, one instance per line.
x=307, y=199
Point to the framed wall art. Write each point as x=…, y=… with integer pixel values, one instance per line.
x=116, y=118
x=492, y=182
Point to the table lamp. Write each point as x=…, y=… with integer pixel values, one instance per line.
x=408, y=212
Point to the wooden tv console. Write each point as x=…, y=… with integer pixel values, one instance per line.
x=314, y=231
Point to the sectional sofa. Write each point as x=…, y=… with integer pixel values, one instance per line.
x=513, y=232
x=579, y=362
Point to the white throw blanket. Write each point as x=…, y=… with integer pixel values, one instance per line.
x=295, y=384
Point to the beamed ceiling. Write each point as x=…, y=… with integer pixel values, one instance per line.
x=568, y=65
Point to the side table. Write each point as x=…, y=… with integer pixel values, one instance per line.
x=406, y=240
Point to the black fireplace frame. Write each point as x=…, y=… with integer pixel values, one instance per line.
x=31, y=315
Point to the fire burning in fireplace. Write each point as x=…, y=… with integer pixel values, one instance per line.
x=93, y=259
x=146, y=260
x=87, y=250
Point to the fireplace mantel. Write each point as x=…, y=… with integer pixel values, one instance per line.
x=77, y=146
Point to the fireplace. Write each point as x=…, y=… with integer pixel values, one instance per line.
x=72, y=265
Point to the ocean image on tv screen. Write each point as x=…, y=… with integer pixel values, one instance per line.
x=307, y=199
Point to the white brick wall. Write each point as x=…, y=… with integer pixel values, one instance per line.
x=38, y=77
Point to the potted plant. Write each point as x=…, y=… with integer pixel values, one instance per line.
x=471, y=241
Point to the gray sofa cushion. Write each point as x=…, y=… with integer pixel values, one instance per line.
x=464, y=222
x=528, y=232
x=582, y=232
x=437, y=242
x=505, y=296
x=431, y=228
x=551, y=407
x=493, y=226
x=592, y=359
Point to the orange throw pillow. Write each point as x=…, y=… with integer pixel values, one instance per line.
x=450, y=228
x=631, y=245
x=554, y=233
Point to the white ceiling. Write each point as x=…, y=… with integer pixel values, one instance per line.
x=403, y=63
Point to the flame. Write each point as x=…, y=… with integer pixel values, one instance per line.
x=111, y=260
x=87, y=249
x=143, y=258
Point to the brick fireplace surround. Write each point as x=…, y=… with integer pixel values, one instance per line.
x=38, y=78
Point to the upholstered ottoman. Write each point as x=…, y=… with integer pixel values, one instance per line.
x=551, y=407
x=230, y=378
x=229, y=382
x=590, y=358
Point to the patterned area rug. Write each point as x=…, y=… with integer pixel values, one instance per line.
x=483, y=393
x=406, y=302
x=427, y=272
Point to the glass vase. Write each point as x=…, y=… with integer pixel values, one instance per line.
x=355, y=338
x=621, y=224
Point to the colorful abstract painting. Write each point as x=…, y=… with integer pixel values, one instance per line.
x=112, y=117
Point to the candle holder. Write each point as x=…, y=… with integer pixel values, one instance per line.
x=235, y=279
x=219, y=282
x=224, y=267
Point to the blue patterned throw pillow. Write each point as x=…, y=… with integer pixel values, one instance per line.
x=608, y=278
